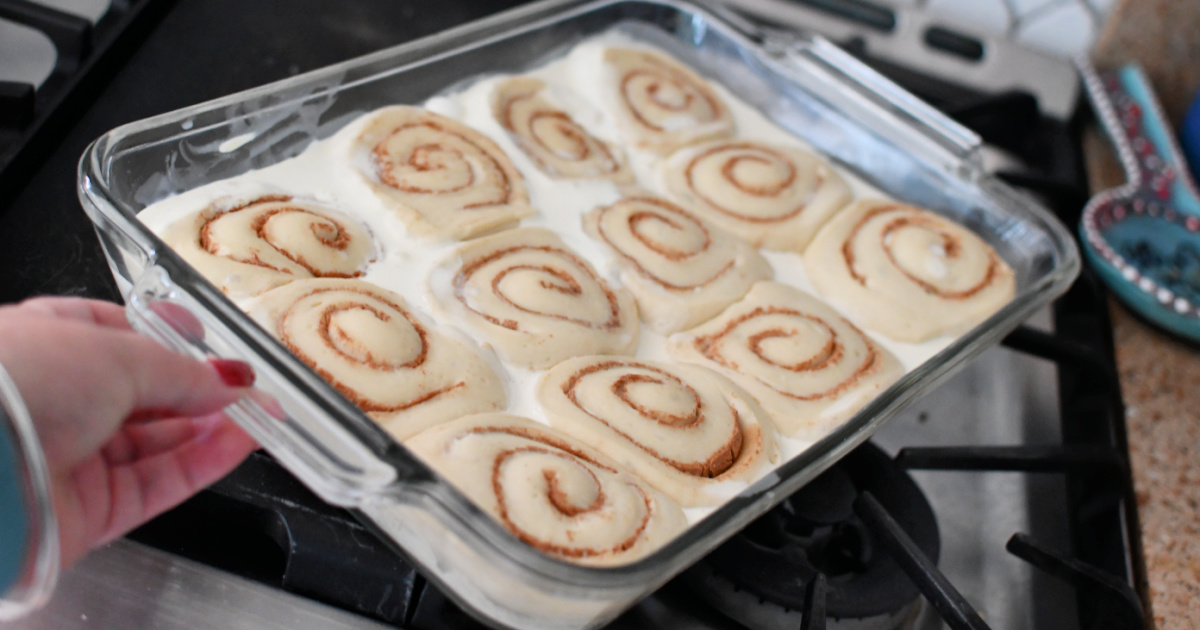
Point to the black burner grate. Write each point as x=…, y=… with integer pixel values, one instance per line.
x=817, y=531
x=33, y=122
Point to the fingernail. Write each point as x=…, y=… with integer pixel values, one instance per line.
x=234, y=373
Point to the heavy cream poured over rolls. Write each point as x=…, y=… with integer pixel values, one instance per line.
x=551, y=491
x=810, y=368
x=370, y=345
x=445, y=179
x=247, y=247
x=680, y=427
x=681, y=269
x=906, y=272
x=773, y=196
x=536, y=301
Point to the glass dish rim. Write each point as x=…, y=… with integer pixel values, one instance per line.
x=761, y=495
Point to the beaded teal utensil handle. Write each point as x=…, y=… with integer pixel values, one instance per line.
x=1144, y=237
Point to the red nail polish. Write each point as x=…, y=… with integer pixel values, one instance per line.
x=233, y=372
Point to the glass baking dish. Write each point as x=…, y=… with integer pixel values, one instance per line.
x=806, y=85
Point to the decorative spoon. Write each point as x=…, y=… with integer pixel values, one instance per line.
x=1144, y=237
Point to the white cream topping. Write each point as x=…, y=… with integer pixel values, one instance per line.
x=326, y=172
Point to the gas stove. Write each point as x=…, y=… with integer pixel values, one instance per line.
x=1001, y=500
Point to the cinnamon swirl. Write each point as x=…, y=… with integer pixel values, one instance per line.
x=555, y=142
x=379, y=353
x=536, y=301
x=773, y=196
x=681, y=269
x=662, y=105
x=808, y=367
x=247, y=247
x=444, y=179
x=550, y=491
x=906, y=272
x=682, y=428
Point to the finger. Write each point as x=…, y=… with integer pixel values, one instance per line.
x=180, y=319
x=160, y=379
x=232, y=372
x=147, y=487
x=78, y=309
x=268, y=404
x=82, y=503
x=87, y=499
x=112, y=315
x=141, y=441
x=150, y=414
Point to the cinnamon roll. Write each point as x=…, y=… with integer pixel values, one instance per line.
x=808, y=367
x=379, y=353
x=681, y=269
x=773, y=196
x=662, y=105
x=247, y=247
x=680, y=427
x=906, y=272
x=536, y=301
x=556, y=143
x=444, y=179
x=550, y=491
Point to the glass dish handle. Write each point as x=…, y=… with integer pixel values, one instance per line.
x=963, y=144
x=325, y=457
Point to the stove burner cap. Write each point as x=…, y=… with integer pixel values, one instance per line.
x=759, y=576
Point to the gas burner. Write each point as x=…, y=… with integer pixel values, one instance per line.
x=761, y=577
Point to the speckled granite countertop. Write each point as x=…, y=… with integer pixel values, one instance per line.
x=1160, y=380
x=1160, y=375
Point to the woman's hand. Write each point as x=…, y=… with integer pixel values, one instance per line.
x=129, y=428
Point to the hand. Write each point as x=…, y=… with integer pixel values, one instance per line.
x=129, y=428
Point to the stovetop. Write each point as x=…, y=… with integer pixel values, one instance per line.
x=1007, y=411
